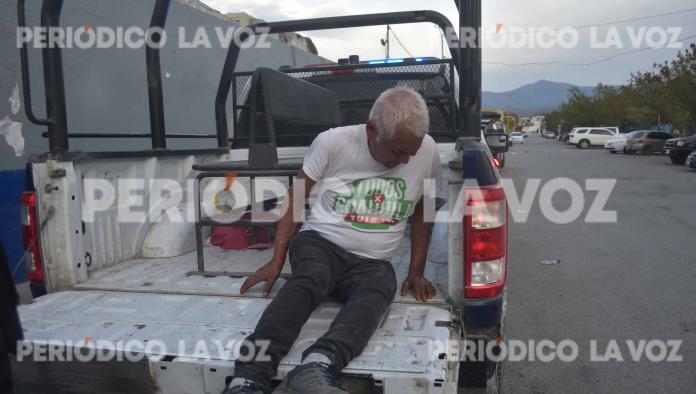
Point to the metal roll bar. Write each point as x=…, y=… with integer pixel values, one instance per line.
x=154, y=75
x=467, y=62
x=340, y=22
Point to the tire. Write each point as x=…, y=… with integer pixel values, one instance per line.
x=481, y=375
x=625, y=151
x=647, y=150
x=678, y=158
x=584, y=144
x=473, y=374
x=487, y=374
x=613, y=152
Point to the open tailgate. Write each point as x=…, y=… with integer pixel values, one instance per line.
x=186, y=344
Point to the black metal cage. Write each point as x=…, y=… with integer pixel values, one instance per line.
x=357, y=87
x=434, y=80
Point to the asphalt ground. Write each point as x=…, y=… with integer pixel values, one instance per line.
x=631, y=280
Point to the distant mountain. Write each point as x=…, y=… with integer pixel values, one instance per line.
x=536, y=98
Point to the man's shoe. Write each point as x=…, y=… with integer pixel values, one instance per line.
x=248, y=387
x=312, y=378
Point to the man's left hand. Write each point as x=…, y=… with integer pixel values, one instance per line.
x=422, y=288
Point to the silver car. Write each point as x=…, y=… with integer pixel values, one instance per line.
x=691, y=160
x=517, y=138
x=646, y=141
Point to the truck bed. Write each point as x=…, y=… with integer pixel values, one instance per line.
x=169, y=275
x=154, y=299
x=403, y=352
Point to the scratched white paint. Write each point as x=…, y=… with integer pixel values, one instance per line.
x=12, y=131
x=15, y=102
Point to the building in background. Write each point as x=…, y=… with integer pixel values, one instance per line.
x=535, y=125
x=293, y=39
x=242, y=18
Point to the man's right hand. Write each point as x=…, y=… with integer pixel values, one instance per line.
x=268, y=273
x=284, y=231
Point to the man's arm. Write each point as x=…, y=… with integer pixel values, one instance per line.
x=420, y=238
x=284, y=232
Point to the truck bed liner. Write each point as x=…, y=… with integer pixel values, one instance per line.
x=401, y=348
x=168, y=275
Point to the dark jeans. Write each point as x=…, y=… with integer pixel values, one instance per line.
x=321, y=268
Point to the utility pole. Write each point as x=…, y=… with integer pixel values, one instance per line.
x=442, y=42
x=385, y=43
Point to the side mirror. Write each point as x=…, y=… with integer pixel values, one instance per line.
x=497, y=143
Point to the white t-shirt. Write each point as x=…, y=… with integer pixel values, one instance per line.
x=363, y=205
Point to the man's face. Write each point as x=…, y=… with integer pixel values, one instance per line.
x=395, y=150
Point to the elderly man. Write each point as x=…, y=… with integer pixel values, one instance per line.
x=372, y=177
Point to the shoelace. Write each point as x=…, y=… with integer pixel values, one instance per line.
x=247, y=387
x=329, y=375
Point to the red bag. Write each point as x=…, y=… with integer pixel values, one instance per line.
x=237, y=238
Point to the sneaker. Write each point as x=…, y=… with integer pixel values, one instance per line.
x=312, y=378
x=248, y=387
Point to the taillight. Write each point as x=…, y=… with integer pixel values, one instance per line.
x=485, y=242
x=30, y=234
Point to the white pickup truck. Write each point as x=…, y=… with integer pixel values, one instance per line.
x=135, y=291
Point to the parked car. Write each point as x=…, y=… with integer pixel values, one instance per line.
x=613, y=129
x=517, y=138
x=585, y=138
x=691, y=160
x=647, y=142
x=617, y=144
x=571, y=133
x=678, y=149
x=550, y=134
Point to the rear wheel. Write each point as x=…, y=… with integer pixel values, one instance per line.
x=584, y=144
x=647, y=150
x=482, y=375
x=485, y=374
x=677, y=158
x=613, y=152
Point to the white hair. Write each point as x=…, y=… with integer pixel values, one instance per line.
x=400, y=108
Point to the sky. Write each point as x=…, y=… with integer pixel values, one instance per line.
x=502, y=17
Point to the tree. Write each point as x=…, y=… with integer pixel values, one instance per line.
x=666, y=94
